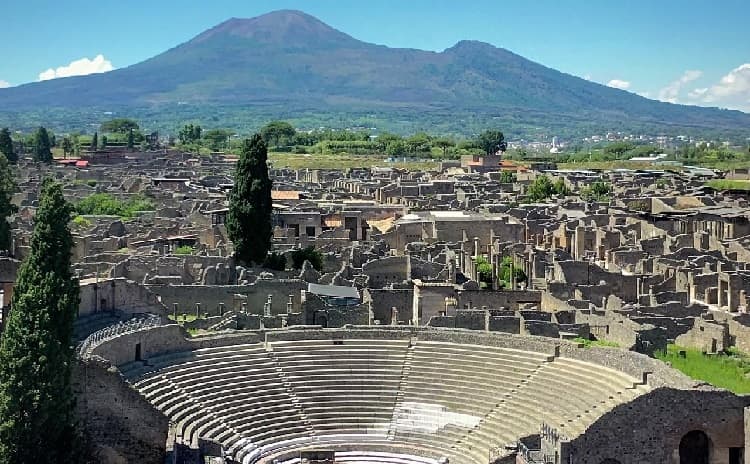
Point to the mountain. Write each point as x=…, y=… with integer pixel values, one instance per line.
x=292, y=61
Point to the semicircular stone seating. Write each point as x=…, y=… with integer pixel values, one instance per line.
x=411, y=401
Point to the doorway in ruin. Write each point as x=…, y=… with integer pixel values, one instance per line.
x=695, y=448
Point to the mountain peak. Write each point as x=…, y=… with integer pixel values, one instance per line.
x=283, y=27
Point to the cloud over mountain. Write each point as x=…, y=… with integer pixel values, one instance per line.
x=80, y=67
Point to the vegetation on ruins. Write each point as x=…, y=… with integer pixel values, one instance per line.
x=508, y=177
x=106, y=204
x=543, y=188
x=249, y=219
x=588, y=343
x=484, y=270
x=508, y=269
x=6, y=146
x=729, y=370
x=42, y=145
x=184, y=250
x=275, y=262
x=300, y=255
x=37, y=422
x=598, y=191
x=7, y=188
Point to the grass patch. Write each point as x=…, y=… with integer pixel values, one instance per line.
x=729, y=370
x=184, y=250
x=601, y=343
x=723, y=184
x=182, y=317
x=317, y=161
x=106, y=204
x=80, y=221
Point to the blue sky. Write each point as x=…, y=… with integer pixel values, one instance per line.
x=688, y=51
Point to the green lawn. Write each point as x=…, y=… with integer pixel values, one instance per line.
x=183, y=317
x=302, y=161
x=723, y=184
x=729, y=371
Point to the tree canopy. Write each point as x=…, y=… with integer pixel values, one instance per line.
x=190, y=134
x=300, y=255
x=276, y=131
x=119, y=126
x=42, y=146
x=7, y=188
x=37, y=422
x=249, y=218
x=6, y=146
x=492, y=141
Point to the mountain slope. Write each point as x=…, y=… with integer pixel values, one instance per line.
x=294, y=61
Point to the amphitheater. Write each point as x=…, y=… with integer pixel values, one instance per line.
x=419, y=396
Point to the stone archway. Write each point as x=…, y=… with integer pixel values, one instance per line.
x=695, y=448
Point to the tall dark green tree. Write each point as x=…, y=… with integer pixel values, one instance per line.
x=95, y=141
x=7, y=188
x=37, y=423
x=131, y=139
x=6, y=146
x=42, y=146
x=249, y=218
x=276, y=131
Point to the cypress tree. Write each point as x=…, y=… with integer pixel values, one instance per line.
x=42, y=146
x=249, y=218
x=36, y=401
x=6, y=146
x=95, y=141
x=7, y=187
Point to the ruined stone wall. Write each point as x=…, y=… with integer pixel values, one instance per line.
x=499, y=299
x=152, y=341
x=627, y=433
x=382, y=301
x=121, y=425
x=118, y=294
x=384, y=271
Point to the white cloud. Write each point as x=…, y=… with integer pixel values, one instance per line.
x=587, y=77
x=671, y=92
x=79, y=67
x=4, y=84
x=619, y=84
x=695, y=94
x=733, y=90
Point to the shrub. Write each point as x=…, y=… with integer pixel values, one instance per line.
x=301, y=255
x=80, y=221
x=275, y=261
x=107, y=204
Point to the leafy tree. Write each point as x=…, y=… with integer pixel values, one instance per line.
x=395, y=149
x=37, y=423
x=300, y=255
x=560, y=187
x=95, y=141
x=7, y=187
x=386, y=138
x=217, y=139
x=42, y=146
x=492, y=141
x=6, y=146
x=249, y=219
x=190, y=134
x=119, y=126
x=67, y=146
x=598, y=191
x=508, y=269
x=541, y=189
x=417, y=143
x=444, y=144
x=104, y=141
x=276, y=131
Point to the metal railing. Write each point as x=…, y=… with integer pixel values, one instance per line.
x=134, y=324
